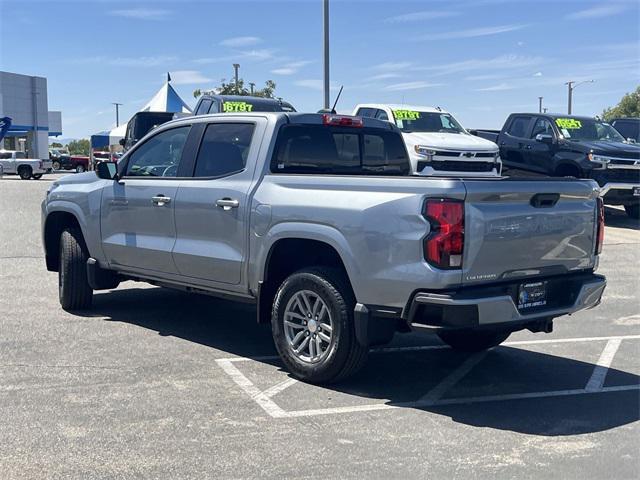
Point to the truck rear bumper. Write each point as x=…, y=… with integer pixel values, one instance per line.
x=495, y=307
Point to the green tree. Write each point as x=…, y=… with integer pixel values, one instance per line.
x=230, y=88
x=79, y=147
x=629, y=106
x=56, y=145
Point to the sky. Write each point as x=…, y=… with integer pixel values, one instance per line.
x=480, y=60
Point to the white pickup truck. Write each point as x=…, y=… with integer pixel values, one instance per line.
x=436, y=142
x=14, y=162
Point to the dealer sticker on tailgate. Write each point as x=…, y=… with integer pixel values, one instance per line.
x=532, y=295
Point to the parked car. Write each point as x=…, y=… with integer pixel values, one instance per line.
x=315, y=220
x=239, y=104
x=437, y=143
x=15, y=163
x=629, y=128
x=79, y=163
x=141, y=124
x=565, y=145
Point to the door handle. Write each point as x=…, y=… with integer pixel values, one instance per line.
x=160, y=200
x=528, y=147
x=227, y=203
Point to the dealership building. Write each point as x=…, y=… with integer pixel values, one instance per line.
x=23, y=99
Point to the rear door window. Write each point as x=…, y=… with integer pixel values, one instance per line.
x=366, y=112
x=382, y=115
x=519, y=126
x=340, y=151
x=204, y=106
x=224, y=149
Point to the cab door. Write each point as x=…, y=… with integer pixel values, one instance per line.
x=513, y=141
x=212, y=208
x=137, y=211
x=539, y=154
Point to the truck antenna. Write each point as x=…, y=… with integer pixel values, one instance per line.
x=333, y=109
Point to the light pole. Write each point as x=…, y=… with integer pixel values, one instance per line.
x=236, y=66
x=325, y=21
x=117, y=113
x=251, y=85
x=540, y=104
x=572, y=84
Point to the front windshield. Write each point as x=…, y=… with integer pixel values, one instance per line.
x=415, y=121
x=587, y=130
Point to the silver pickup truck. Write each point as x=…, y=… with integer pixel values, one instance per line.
x=315, y=219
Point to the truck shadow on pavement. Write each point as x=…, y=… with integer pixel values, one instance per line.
x=616, y=217
x=404, y=376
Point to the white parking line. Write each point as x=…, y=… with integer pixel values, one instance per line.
x=454, y=377
x=434, y=397
x=596, y=382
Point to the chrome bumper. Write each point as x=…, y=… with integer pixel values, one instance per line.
x=616, y=186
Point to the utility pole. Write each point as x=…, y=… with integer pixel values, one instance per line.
x=251, y=85
x=325, y=19
x=236, y=66
x=540, y=104
x=117, y=113
x=572, y=84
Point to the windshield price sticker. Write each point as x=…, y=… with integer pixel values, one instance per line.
x=236, y=107
x=568, y=123
x=406, y=114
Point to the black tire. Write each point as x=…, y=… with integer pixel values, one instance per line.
x=37, y=176
x=633, y=211
x=345, y=355
x=80, y=168
x=25, y=172
x=56, y=165
x=472, y=341
x=73, y=288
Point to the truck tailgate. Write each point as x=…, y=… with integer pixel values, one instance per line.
x=530, y=228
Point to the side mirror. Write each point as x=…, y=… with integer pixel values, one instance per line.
x=122, y=142
x=544, y=138
x=107, y=170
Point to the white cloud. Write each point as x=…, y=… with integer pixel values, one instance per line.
x=260, y=54
x=496, y=88
x=488, y=76
x=142, y=13
x=389, y=66
x=290, y=68
x=188, y=77
x=598, y=12
x=151, y=61
x=384, y=76
x=537, y=74
x=314, y=84
x=472, y=32
x=398, y=87
x=238, y=42
x=502, y=62
x=419, y=16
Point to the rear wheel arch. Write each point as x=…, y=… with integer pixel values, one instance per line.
x=288, y=255
x=55, y=224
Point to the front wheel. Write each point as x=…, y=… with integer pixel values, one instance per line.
x=56, y=165
x=74, y=290
x=25, y=172
x=313, y=328
x=472, y=341
x=633, y=211
x=37, y=176
x=80, y=168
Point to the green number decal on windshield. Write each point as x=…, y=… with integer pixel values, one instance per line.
x=568, y=123
x=406, y=114
x=228, y=107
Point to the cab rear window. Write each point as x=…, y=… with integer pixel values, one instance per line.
x=339, y=151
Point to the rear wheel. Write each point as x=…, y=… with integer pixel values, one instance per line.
x=472, y=341
x=313, y=328
x=25, y=172
x=633, y=210
x=73, y=287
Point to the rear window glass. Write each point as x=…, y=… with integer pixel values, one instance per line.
x=340, y=151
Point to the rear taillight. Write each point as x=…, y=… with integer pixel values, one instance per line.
x=341, y=120
x=444, y=245
x=600, y=229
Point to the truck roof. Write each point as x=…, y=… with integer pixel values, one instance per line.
x=398, y=106
x=555, y=115
x=246, y=98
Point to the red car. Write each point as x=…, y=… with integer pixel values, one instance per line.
x=78, y=163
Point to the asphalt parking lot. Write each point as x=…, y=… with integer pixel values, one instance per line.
x=159, y=384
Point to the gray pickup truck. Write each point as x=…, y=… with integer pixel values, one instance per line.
x=315, y=219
